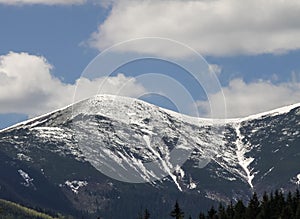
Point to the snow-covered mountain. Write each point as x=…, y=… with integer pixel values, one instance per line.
x=82, y=157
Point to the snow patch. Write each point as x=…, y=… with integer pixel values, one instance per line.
x=298, y=179
x=23, y=157
x=192, y=184
x=179, y=172
x=51, y=132
x=75, y=185
x=28, y=180
x=230, y=178
x=216, y=197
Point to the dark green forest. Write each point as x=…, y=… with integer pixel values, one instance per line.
x=270, y=206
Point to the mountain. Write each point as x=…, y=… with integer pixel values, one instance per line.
x=111, y=156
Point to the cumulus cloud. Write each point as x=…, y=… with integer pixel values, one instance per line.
x=217, y=69
x=117, y=85
x=219, y=27
x=43, y=2
x=243, y=99
x=27, y=86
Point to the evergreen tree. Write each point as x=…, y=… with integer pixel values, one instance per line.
x=146, y=214
x=230, y=211
x=289, y=199
x=297, y=195
x=296, y=200
x=278, y=205
x=287, y=213
x=239, y=210
x=265, y=210
x=177, y=212
x=253, y=207
x=201, y=216
x=212, y=213
x=297, y=214
x=221, y=212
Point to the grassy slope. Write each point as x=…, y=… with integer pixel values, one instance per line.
x=12, y=210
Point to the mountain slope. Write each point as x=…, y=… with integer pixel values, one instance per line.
x=12, y=210
x=78, y=159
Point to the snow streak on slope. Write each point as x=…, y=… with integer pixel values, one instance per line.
x=167, y=166
x=244, y=162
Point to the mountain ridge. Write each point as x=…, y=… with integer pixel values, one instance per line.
x=89, y=151
x=276, y=111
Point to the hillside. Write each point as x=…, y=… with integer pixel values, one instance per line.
x=13, y=210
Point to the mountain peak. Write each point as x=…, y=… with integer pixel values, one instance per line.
x=120, y=106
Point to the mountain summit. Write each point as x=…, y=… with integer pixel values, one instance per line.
x=100, y=154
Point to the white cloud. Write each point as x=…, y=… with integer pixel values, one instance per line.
x=218, y=27
x=217, y=69
x=27, y=86
x=43, y=2
x=295, y=77
x=117, y=85
x=243, y=99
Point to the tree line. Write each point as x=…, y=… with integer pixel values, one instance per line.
x=270, y=206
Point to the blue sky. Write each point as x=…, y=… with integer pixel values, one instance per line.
x=256, y=58
x=55, y=32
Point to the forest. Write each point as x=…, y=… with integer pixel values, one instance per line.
x=270, y=206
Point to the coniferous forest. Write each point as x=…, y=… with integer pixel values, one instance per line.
x=270, y=206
